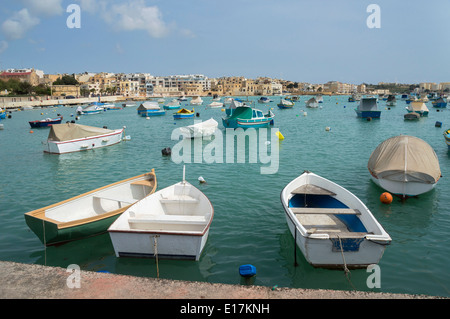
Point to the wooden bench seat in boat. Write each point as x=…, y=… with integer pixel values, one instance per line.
x=184, y=199
x=312, y=190
x=313, y=210
x=143, y=183
x=167, y=219
x=121, y=200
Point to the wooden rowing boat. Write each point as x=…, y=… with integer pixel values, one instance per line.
x=90, y=213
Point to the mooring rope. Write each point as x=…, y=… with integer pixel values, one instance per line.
x=346, y=270
x=155, y=241
x=45, y=243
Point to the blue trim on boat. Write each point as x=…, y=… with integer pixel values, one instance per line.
x=352, y=222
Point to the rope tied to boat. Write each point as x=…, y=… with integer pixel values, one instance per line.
x=155, y=243
x=346, y=270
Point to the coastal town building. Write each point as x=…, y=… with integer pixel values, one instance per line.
x=31, y=76
x=65, y=90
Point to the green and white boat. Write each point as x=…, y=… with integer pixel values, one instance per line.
x=90, y=213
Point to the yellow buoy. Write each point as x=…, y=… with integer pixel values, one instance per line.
x=386, y=198
x=280, y=136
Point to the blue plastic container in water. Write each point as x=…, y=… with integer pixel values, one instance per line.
x=247, y=270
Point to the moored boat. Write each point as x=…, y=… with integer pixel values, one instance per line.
x=418, y=107
x=172, y=105
x=72, y=137
x=264, y=100
x=332, y=227
x=197, y=100
x=405, y=166
x=215, y=104
x=46, y=122
x=245, y=116
x=172, y=223
x=391, y=100
x=148, y=109
x=183, y=114
x=312, y=103
x=368, y=107
x=447, y=138
x=440, y=102
x=200, y=130
x=285, y=104
x=90, y=213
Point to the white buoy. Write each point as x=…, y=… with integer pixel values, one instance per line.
x=147, y=118
x=201, y=179
x=304, y=113
x=327, y=129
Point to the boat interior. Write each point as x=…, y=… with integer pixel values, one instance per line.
x=102, y=201
x=318, y=211
x=176, y=210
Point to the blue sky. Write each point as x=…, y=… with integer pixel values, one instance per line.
x=300, y=40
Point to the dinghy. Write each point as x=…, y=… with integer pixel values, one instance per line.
x=148, y=109
x=331, y=226
x=90, y=213
x=404, y=165
x=418, y=107
x=285, y=104
x=172, y=223
x=201, y=129
x=46, y=122
x=71, y=137
x=368, y=107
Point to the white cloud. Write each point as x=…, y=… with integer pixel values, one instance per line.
x=3, y=46
x=90, y=6
x=44, y=7
x=135, y=15
x=15, y=27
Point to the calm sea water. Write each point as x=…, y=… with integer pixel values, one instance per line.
x=249, y=224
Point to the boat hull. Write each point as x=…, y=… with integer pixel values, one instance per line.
x=84, y=144
x=152, y=113
x=366, y=114
x=168, y=246
x=183, y=116
x=38, y=124
x=227, y=123
x=49, y=233
x=357, y=244
x=407, y=189
x=322, y=253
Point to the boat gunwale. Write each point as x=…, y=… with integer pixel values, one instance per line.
x=40, y=213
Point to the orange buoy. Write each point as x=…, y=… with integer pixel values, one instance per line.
x=386, y=198
x=31, y=132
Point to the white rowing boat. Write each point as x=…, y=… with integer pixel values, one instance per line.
x=331, y=226
x=172, y=223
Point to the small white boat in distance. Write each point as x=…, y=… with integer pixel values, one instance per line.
x=71, y=137
x=215, y=104
x=405, y=166
x=331, y=226
x=197, y=100
x=201, y=129
x=312, y=103
x=172, y=223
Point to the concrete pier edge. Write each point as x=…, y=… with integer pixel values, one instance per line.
x=30, y=281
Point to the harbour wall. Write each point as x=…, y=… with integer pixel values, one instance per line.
x=30, y=281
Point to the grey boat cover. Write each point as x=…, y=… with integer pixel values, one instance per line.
x=405, y=159
x=149, y=106
x=71, y=131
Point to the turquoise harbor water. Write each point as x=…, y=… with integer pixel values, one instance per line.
x=249, y=225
